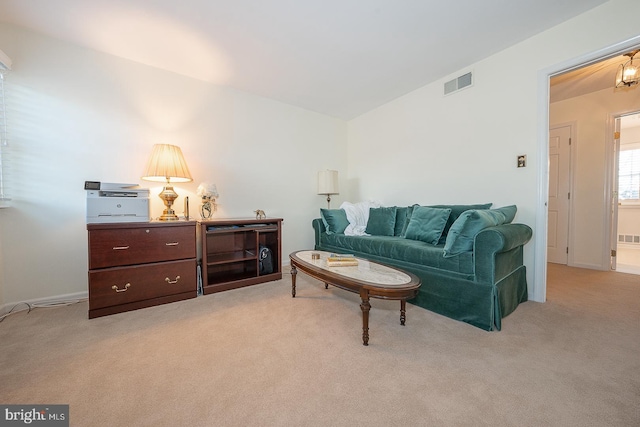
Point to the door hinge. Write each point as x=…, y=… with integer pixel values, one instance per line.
x=613, y=252
x=569, y=141
x=616, y=135
x=567, y=249
x=569, y=196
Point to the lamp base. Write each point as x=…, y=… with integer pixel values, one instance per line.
x=168, y=215
x=168, y=196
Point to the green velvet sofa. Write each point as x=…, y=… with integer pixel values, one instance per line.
x=479, y=284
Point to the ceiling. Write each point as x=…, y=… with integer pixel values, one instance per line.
x=598, y=76
x=337, y=57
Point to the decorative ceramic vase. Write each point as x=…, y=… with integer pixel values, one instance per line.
x=208, y=193
x=206, y=209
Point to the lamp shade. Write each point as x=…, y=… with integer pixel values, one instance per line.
x=328, y=182
x=167, y=164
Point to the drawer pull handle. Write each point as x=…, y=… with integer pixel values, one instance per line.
x=120, y=248
x=115, y=287
x=172, y=282
x=172, y=244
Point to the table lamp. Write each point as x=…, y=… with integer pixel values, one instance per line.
x=167, y=164
x=328, y=184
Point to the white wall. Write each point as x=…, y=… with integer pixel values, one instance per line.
x=591, y=113
x=77, y=115
x=462, y=148
x=629, y=220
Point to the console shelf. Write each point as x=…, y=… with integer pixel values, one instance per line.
x=230, y=252
x=227, y=257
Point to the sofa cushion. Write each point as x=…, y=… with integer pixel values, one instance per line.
x=400, y=249
x=335, y=220
x=382, y=221
x=426, y=224
x=401, y=220
x=456, y=211
x=407, y=219
x=464, y=229
x=509, y=212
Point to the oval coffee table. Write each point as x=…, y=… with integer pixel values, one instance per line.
x=368, y=278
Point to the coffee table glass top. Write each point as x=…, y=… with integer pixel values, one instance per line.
x=365, y=271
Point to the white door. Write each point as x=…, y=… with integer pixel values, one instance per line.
x=559, y=196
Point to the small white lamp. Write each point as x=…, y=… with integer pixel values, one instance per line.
x=328, y=184
x=167, y=164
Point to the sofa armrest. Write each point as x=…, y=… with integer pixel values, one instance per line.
x=498, y=251
x=318, y=229
x=502, y=238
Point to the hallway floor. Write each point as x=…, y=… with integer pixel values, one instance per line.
x=628, y=260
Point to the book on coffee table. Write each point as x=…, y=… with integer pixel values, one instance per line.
x=341, y=260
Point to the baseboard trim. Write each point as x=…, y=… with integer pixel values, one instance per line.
x=629, y=246
x=58, y=299
x=588, y=266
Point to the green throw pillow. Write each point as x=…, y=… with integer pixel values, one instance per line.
x=335, y=220
x=426, y=224
x=401, y=220
x=509, y=212
x=382, y=221
x=408, y=218
x=456, y=211
x=464, y=229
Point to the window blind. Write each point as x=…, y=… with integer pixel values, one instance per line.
x=4, y=140
x=629, y=175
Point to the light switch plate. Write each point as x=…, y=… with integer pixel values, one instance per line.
x=522, y=160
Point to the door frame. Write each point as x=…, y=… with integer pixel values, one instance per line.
x=611, y=179
x=539, y=291
x=612, y=167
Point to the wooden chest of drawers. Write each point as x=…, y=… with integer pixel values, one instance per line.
x=136, y=265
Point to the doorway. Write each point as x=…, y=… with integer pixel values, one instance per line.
x=545, y=78
x=625, y=230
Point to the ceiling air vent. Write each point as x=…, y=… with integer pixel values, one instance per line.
x=456, y=84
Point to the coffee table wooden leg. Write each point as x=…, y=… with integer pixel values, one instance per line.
x=365, y=306
x=403, y=311
x=294, y=271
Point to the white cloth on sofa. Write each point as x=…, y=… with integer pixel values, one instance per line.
x=358, y=216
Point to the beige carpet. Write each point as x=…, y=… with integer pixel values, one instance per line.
x=257, y=357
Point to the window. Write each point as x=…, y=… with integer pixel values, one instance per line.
x=629, y=174
x=3, y=139
x=5, y=66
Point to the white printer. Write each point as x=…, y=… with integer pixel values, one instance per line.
x=113, y=202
